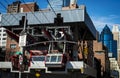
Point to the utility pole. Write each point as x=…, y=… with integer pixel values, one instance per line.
x=22, y=41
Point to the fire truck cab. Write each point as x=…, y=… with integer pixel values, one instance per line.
x=55, y=60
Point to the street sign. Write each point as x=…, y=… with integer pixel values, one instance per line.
x=22, y=40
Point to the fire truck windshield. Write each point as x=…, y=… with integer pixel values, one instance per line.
x=38, y=58
x=54, y=58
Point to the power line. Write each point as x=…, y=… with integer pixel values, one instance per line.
x=11, y=14
x=45, y=16
x=32, y=12
x=3, y=5
x=6, y=1
x=42, y=11
x=38, y=11
x=6, y=8
x=4, y=19
x=51, y=7
x=2, y=10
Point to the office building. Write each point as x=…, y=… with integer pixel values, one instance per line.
x=62, y=4
x=106, y=37
x=55, y=4
x=14, y=7
x=116, y=35
x=66, y=3
x=3, y=37
x=115, y=71
x=70, y=4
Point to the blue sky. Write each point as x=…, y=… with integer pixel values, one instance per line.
x=102, y=12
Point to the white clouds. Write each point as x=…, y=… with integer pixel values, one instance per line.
x=0, y=17
x=100, y=22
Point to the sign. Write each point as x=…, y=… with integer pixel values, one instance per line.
x=22, y=40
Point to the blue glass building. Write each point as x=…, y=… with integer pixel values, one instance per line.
x=66, y=3
x=55, y=4
x=58, y=4
x=106, y=37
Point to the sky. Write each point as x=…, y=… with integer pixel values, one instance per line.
x=101, y=12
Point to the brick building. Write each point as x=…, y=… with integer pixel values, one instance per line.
x=86, y=52
x=12, y=39
x=28, y=7
x=101, y=53
x=12, y=45
x=17, y=7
